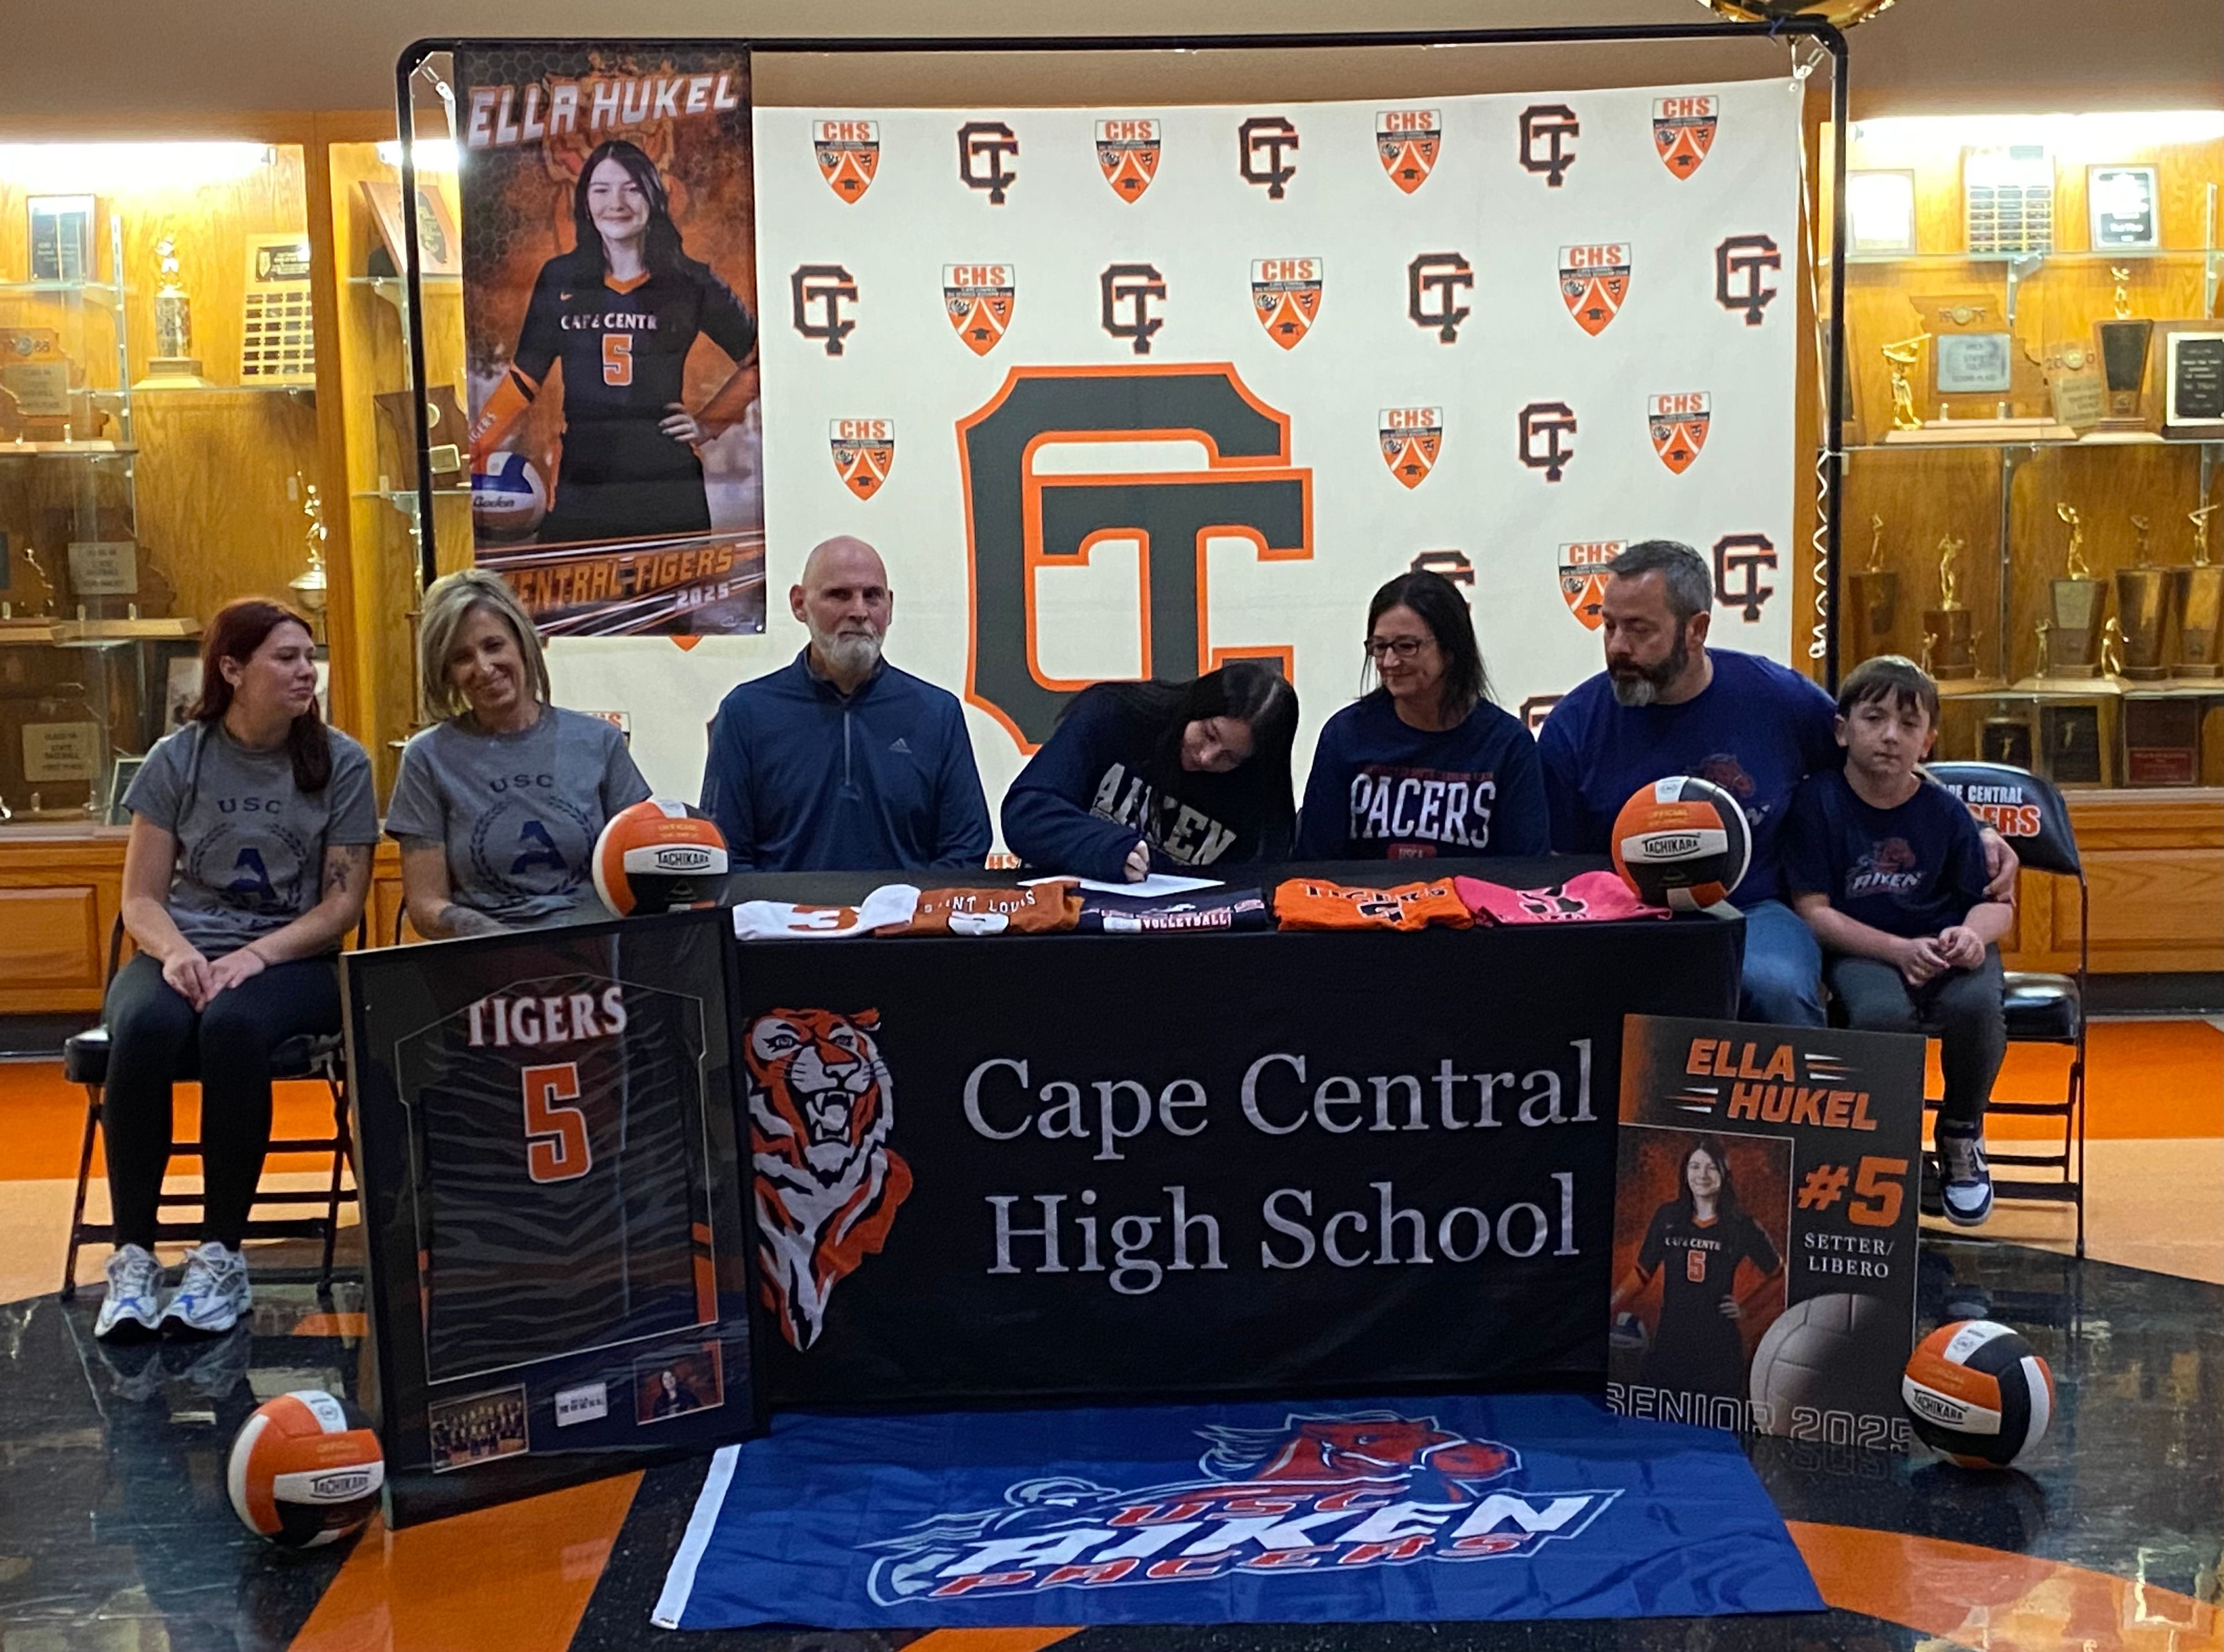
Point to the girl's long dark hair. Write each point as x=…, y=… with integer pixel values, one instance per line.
x=238, y=631
x=1727, y=1207
x=661, y=248
x=1440, y=605
x=1254, y=694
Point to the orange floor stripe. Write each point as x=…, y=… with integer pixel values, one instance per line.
x=516, y=1577
x=1991, y=1599
x=354, y=1326
x=42, y=1121
x=2146, y=1080
x=989, y=1640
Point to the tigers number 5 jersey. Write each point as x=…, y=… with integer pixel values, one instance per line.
x=563, y=1198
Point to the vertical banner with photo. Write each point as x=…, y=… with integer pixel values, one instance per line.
x=609, y=319
x=1765, y=1228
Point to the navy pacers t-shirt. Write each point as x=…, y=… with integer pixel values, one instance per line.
x=1381, y=789
x=1909, y=871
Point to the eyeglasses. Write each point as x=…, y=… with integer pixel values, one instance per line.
x=1404, y=646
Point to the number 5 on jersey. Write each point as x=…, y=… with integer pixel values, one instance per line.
x=555, y=1136
x=617, y=359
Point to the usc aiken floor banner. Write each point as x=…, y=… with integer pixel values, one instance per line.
x=1449, y=1507
x=1125, y=391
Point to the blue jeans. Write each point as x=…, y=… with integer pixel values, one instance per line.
x=1783, y=968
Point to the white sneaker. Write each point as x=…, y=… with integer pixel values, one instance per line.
x=1968, y=1190
x=214, y=1292
x=131, y=1310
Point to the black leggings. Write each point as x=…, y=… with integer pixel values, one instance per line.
x=154, y=1038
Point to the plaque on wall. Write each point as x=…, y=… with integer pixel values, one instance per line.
x=2120, y=204
x=36, y=372
x=2008, y=200
x=2193, y=379
x=103, y=567
x=439, y=250
x=2161, y=740
x=2070, y=752
x=61, y=237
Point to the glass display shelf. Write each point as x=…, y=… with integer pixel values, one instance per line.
x=2080, y=256
x=2064, y=437
x=101, y=292
x=96, y=633
x=29, y=450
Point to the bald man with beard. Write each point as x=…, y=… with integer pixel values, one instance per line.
x=839, y=761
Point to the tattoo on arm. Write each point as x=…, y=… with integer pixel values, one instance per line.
x=459, y=921
x=342, y=861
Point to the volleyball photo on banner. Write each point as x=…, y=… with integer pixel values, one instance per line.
x=611, y=331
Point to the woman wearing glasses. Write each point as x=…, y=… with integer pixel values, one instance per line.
x=1426, y=764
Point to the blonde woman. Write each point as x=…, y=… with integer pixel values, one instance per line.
x=497, y=808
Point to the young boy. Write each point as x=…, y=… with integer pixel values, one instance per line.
x=1889, y=873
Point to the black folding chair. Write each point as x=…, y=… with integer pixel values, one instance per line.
x=2041, y=1008
x=84, y=1060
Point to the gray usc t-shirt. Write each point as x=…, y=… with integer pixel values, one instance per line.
x=518, y=813
x=250, y=844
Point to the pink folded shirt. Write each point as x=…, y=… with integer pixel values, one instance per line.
x=1588, y=897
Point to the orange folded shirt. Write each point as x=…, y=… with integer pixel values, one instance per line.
x=1303, y=903
x=1035, y=909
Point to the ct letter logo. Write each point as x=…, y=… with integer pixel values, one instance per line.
x=1679, y=426
x=828, y=1184
x=1285, y=293
x=1133, y=286
x=1544, y=424
x=1594, y=281
x=828, y=287
x=849, y=154
x=1582, y=578
x=1267, y=135
x=1739, y=262
x=1408, y=140
x=1023, y=526
x=1412, y=439
x=1433, y=284
x=1684, y=130
x=864, y=452
x=979, y=299
x=1548, y=136
x=982, y=147
x=1128, y=154
x=1739, y=560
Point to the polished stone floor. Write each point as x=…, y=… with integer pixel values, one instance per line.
x=115, y=1530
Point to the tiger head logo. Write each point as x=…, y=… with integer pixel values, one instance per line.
x=828, y=1184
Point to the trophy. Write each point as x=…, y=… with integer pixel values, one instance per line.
x=2123, y=341
x=2145, y=606
x=1875, y=591
x=1899, y=359
x=173, y=365
x=1950, y=639
x=27, y=595
x=2076, y=606
x=309, y=586
x=2199, y=606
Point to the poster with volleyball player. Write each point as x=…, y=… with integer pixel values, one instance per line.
x=1765, y=1228
x=610, y=335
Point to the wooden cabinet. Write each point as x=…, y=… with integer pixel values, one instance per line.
x=2154, y=864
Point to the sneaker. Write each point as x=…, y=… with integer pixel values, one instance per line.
x=130, y=1308
x=214, y=1292
x=1967, y=1190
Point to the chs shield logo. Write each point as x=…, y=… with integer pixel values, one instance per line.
x=864, y=452
x=1412, y=439
x=1128, y=153
x=1679, y=424
x=1331, y=1488
x=1684, y=130
x=1582, y=577
x=1285, y=293
x=979, y=298
x=1408, y=140
x=818, y=292
x=982, y=148
x=849, y=154
x=828, y=1184
x=1548, y=137
x=1260, y=143
x=1739, y=262
x=1544, y=444
x=1433, y=284
x=1594, y=281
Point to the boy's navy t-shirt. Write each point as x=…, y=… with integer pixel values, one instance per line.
x=1911, y=871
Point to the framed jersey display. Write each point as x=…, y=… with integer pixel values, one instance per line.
x=558, y=1249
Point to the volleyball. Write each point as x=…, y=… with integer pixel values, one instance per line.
x=1682, y=843
x=1977, y=1393
x=659, y=856
x=509, y=497
x=1818, y=1356
x=304, y=1471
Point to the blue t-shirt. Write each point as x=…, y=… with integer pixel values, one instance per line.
x=1758, y=729
x=1381, y=789
x=1911, y=871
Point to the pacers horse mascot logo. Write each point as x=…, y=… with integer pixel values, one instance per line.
x=828, y=1184
x=1333, y=1489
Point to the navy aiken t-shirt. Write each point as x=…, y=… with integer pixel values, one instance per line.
x=1381, y=789
x=1757, y=728
x=1911, y=871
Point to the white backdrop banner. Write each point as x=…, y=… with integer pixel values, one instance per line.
x=1129, y=391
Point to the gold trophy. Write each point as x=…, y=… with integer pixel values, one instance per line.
x=173, y=365
x=2200, y=591
x=2145, y=606
x=1899, y=359
x=1950, y=638
x=310, y=588
x=2076, y=605
x=2123, y=341
x=1875, y=593
x=27, y=595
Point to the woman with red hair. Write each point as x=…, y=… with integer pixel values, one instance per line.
x=249, y=857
